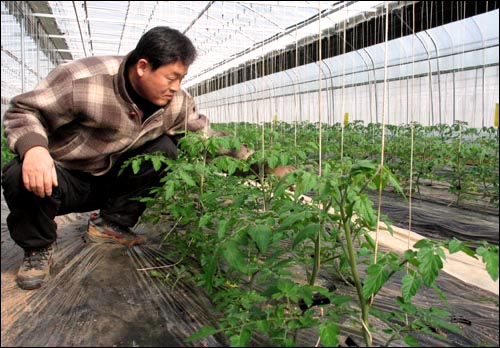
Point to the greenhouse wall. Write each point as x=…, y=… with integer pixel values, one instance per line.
x=442, y=75
x=24, y=63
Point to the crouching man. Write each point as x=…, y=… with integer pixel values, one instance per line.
x=73, y=132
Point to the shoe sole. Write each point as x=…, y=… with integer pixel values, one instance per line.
x=30, y=284
x=96, y=236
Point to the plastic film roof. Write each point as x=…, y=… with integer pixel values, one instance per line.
x=226, y=33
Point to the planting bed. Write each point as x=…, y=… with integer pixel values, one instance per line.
x=98, y=296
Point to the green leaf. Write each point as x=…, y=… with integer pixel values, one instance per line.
x=364, y=207
x=261, y=234
x=262, y=326
x=490, y=258
x=294, y=324
x=309, y=231
x=156, y=163
x=406, y=306
x=340, y=300
x=187, y=179
x=349, y=208
x=439, y=292
x=393, y=180
x=292, y=219
x=446, y=325
x=370, y=240
x=363, y=165
x=233, y=165
x=409, y=287
x=272, y=161
x=136, y=165
x=204, y=220
x=234, y=256
x=242, y=339
x=454, y=246
x=307, y=295
x=155, y=274
x=377, y=276
x=468, y=251
x=328, y=333
x=430, y=264
x=209, y=270
x=412, y=342
x=411, y=256
x=287, y=288
x=309, y=182
x=201, y=333
x=423, y=243
x=168, y=190
x=223, y=228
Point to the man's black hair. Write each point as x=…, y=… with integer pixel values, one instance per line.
x=163, y=45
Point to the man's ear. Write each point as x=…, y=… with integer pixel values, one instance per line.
x=141, y=66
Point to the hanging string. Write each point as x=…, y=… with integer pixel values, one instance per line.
x=382, y=150
x=295, y=96
x=412, y=128
x=320, y=61
x=263, y=123
x=342, y=109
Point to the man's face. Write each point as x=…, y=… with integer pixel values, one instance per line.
x=160, y=85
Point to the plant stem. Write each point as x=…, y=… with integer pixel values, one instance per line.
x=355, y=275
x=317, y=256
x=317, y=246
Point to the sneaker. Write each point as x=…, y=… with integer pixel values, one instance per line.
x=35, y=268
x=102, y=231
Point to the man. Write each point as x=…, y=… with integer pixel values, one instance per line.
x=76, y=128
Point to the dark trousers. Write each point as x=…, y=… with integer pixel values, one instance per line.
x=31, y=218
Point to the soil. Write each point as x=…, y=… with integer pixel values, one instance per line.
x=434, y=215
x=102, y=295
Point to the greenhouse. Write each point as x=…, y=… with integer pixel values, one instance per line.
x=250, y=173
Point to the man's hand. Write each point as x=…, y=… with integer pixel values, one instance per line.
x=39, y=171
x=280, y=171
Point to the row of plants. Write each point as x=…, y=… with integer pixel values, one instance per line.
x=464, y=159
x=259, y=249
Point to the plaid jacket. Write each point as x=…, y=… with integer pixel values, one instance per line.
x=82, y=113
